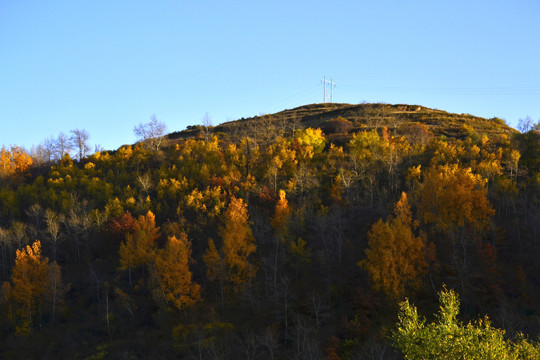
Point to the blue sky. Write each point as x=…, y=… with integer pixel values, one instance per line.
x=105, y=66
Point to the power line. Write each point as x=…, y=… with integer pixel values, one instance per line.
x=308, y=94
x=487, y=90
x=325, y=93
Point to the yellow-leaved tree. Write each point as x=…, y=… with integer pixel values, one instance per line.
x=395, y=258
x=452, y=197
x=454, y=201
x=173, y=276
x=280, y=162
x=367, y=151
x=238, y=243
x=14, y=162
x=282, y=211
x=309, y=142
x=28, y=284
x=232, y=262
x=140, y=246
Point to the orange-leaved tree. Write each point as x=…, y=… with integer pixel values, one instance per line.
x=173, y=276
x=232, y=262
x=452, y=197
x=395, y=258
x=282, y=211
x=14, y=162
x=238, y=243
x=120, y=225
x=28, y=285
x=140, y=246
x=454, y=201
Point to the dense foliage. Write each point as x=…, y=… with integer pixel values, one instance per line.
x=271, y=239
x=448, y=338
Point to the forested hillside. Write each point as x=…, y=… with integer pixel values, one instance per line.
x=295, y=235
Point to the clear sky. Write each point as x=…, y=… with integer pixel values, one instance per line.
x=105, y=65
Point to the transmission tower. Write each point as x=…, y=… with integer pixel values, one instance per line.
x=325, y=92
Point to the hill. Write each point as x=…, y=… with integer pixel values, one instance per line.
x=292, y=235
x=400, y=119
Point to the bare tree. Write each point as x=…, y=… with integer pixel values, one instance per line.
x=145, y=182
x=53, y=222
x=98, y=148
x=248, y=343
x=62, y=146
x=56, y=290
x=6, y=249
x=269, y=341
x=18, y=233
x=317, y=305
x=79, y=141
x=35, y=213
x=524, y=125
x=151, y=133
x=304, y=339
x=44, y=153
x=509, y=318
x=207, y=124
x=78, y=225
x=35, y=216
x=374, y=349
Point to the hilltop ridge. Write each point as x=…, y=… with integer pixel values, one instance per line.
x=398, y=118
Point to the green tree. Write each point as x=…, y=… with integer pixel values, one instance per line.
x=448, y=338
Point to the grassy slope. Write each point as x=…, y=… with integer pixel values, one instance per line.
x=369, y=116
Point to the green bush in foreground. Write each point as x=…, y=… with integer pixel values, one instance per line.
x=448, y=338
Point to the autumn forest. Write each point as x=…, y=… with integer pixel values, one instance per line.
x=329, y=231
